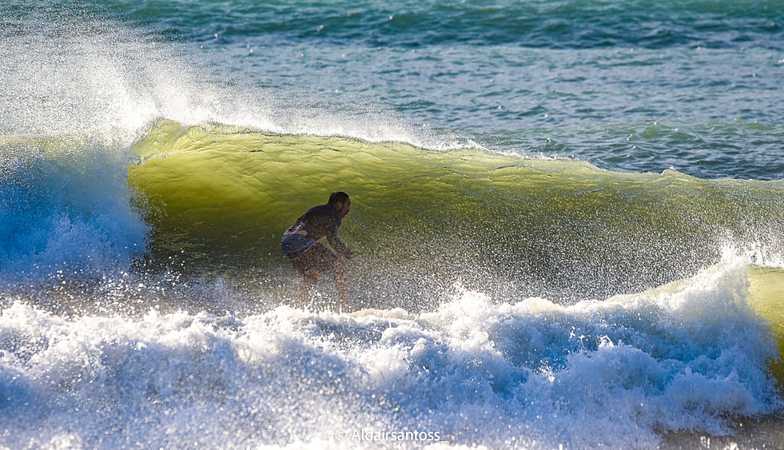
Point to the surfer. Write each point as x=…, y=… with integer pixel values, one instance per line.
x=313, y=246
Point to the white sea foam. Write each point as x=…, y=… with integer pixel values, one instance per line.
x=67, y=209
x=526, y=374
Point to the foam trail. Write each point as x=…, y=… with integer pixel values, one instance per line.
x=526, y=374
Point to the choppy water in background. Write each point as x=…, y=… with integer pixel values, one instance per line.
x=151, y=153
x=639, y=85
x=690, y=85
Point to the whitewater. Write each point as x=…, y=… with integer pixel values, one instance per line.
x=525, y=373
x=502, y=299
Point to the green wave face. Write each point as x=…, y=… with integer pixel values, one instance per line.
x=766, y=288
x=220, y=198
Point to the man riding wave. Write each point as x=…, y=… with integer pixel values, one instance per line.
x=313, y=246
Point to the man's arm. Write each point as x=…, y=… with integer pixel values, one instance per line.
x=338, y=245
x=335, y=242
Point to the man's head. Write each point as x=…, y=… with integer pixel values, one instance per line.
x=341, y=202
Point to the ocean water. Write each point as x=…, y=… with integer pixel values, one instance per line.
x=567, y=218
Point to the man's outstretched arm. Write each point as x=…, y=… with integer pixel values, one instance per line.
x=338, y=245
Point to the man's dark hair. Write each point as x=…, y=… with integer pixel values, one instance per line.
x=338, y=197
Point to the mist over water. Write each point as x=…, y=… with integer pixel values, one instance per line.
x=567, y=218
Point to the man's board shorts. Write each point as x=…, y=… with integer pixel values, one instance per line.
x=306, y=254
x=295, y=244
